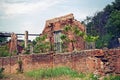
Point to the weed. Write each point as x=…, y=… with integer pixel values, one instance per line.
x=112, y=77
x=59, y=71
x=1, y=73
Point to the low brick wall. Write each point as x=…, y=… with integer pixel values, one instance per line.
x=96, y=61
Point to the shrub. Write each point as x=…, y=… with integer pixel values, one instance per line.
x=4, y=51
x=1, y=73
x=26, y=51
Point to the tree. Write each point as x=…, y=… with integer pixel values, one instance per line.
x=74, y=33
x=41, y=45
x=113, y=28
x=113, y=24
x=116, y=5
x=103, y=41
x=3, y=39
x=106, y=23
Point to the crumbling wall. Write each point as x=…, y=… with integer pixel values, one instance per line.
x=13, y=43
x=58, y=24
x=96, y=61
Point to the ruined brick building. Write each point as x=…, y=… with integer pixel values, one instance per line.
x=54, y=28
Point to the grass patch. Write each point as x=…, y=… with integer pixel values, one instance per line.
x=91, y=76
x=57, y=72
x=112, y=77
x=52, y=72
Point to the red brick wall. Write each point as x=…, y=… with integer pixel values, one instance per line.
x=59, y=23
x=13, y=43
x=96, y=61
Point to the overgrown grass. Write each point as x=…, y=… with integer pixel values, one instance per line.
x=57, y=72
x=112, y=77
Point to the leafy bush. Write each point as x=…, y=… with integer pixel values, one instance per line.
x=27, y=51
x=41, y=44
x=1, y=73
x=4, y=51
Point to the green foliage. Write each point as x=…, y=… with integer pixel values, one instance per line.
x=36, y=49
x=41, y=38
x=54, y=72
x=1, y=73
x=34, y=42
x=60, y=71
x=3, y=39
x=113, y=23
x=111, y=77
x=27, y=51
x=90, y=38
x=22, y=44
x=104, y=23
x=64, y=38
x=103, y=41
x=78, y=32
x=4, y=51
x=40, y=44
x=116, y=5
x=67, y=28
x=75, y=31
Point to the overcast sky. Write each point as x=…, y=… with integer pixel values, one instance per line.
x=20, y=15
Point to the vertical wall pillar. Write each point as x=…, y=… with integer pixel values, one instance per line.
x=13, y=43
x=26, y=39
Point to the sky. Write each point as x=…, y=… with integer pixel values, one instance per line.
x=21, y=15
